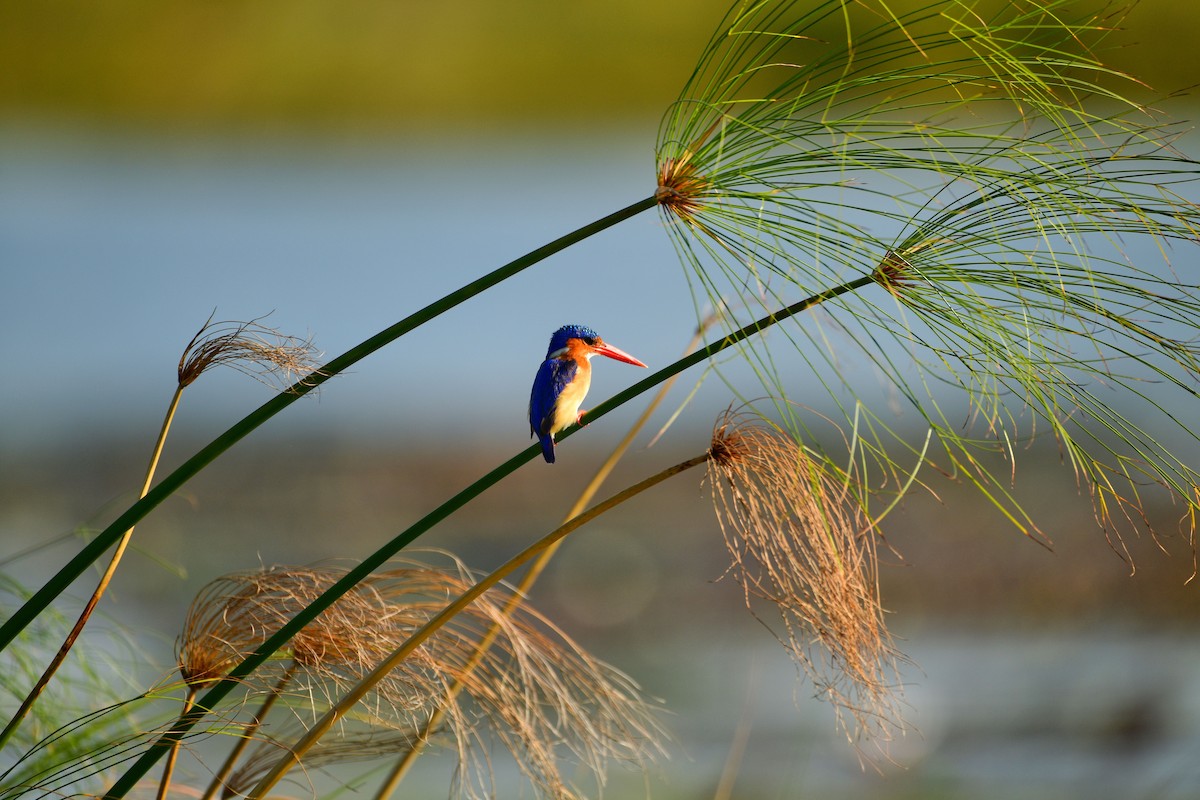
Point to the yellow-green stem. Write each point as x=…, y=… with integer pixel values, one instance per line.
x=101, y=587
x=247, y=734
x=169, y=765
x=296, y=753
x=527, y=580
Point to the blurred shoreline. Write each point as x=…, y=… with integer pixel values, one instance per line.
x=1059, y=661
x=280, y=499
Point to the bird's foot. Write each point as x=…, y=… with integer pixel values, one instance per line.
x=579, y=419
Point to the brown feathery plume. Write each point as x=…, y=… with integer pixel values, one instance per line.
x=234, y=614
x=252, y=349
x=800, y=541
x=536, y=692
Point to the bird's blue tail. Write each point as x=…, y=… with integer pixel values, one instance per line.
x=547, y=448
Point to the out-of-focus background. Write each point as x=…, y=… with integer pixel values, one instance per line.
x=342, y=164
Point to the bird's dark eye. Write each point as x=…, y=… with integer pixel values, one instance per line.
x=591, y=341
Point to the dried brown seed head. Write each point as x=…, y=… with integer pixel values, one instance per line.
x=800, y=542
x=535, y=691
x=251, y=348
x=729, y=443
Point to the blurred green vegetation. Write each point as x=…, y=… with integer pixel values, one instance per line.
x=391, y=63
x=402, y=64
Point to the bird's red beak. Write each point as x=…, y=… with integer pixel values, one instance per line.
x=606, y=349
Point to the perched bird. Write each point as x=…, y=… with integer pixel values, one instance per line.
x=563, y=380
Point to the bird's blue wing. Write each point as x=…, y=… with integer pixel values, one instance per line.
x=552, y=377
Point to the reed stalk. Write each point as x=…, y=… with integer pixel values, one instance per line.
x=164, y=784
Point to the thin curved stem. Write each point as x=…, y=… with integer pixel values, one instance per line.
x=247, y=734
x=224, y=686
x=101, y=586
x=164, y=785
x=135, y=513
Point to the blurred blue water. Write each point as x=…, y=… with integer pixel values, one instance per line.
x=116, y=248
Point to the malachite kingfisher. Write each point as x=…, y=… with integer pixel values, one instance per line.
x=564, y=379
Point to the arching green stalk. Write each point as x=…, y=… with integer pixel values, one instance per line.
x=138, y=511
x=223, y=687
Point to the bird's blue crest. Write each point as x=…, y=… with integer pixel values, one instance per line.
x=561, y=336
